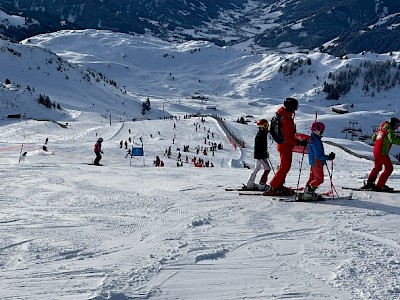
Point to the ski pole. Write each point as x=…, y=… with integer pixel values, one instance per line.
x=20, y=153
x=272, y=167
x=333, y=189
x=330, y=177
x=301, y=166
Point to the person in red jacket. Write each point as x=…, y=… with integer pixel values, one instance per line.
x=287, y=111
x=97, y=151
x=383, y=140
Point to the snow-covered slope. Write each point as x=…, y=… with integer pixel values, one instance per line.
x=129, y=230
x=27, y=72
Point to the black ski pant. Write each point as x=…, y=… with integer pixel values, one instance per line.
x=97, y=159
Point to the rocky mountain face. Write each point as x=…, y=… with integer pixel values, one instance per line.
x=334, y=26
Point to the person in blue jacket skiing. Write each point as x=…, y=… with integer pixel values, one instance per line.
x=317, y=159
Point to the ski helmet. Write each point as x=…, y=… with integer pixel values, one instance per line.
x=393, y=122
x=291, y=104
x=100, y=140
x=263, y=124
x=317, y=126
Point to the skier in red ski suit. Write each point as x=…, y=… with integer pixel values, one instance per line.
x=383, y=138
x=285, y=149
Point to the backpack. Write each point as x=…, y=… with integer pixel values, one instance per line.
x=96, y=147
x=275, y=129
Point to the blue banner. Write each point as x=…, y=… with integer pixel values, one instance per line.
x=137, y=151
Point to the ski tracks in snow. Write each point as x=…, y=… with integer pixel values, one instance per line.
x=143, y=238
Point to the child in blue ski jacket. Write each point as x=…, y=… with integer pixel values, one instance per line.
x=317, y=159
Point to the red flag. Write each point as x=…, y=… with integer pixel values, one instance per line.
x=299, y=148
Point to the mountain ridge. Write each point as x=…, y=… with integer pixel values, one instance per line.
x=189, y=78
x=337, y=27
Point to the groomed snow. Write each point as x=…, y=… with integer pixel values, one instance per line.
x=129, y=230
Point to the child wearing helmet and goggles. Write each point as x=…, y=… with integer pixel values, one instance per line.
x=261, y=156
x=317, y=159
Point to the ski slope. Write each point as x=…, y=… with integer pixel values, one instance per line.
x=129, y=230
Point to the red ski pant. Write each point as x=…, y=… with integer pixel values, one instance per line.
x=316, y=174
x=279, y=178
x=379, y=161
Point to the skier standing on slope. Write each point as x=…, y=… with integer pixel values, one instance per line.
x=317, y=159
x=383, y=139
x=98, y=151
x=261, y=155
x=285, y=149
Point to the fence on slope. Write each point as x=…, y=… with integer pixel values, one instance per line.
x=232, y=137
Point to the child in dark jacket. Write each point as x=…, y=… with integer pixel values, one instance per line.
x=98, y=151
x=317, y=159
x=261, y=156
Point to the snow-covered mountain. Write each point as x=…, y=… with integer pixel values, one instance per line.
x=337, y=27
x=110, y=73
x=31, y=72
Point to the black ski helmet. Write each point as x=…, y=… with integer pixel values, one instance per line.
x=393, y=122
x=291, y=104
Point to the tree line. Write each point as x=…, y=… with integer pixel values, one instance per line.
x=375, y=77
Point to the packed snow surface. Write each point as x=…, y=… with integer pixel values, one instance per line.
x=129, y=230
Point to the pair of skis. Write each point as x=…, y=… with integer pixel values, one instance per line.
x=370, y=190
x=244, y=189
x=297, y=197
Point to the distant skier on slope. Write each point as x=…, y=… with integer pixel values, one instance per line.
x=98, y=151
x=383, y=139
x=317, y=159
x=261, y=156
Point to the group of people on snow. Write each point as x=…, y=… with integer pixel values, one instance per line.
x=213, y=146
x=383, y=140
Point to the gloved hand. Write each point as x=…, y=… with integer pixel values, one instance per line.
x=303, y=143
x=102, y=152
x=331, y=156
x=266, y=154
